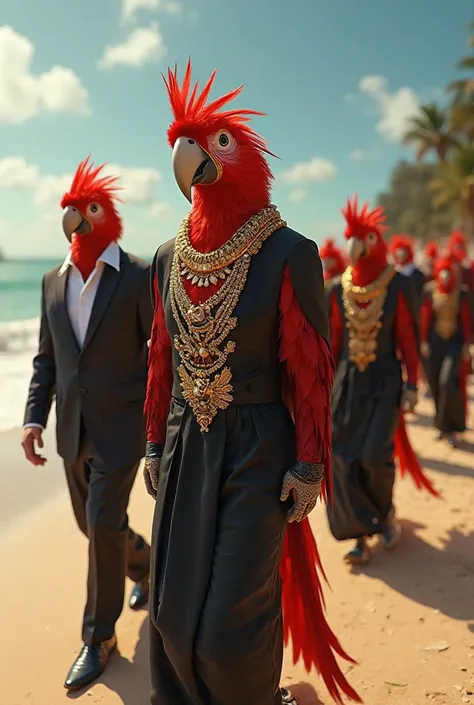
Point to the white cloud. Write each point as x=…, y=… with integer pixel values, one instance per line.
x=317, y=169
x=159, y=210
x=356, y=155
x=50, y=189
x=394, y=109
x=298, y=195
x=24, y=95
x=15, y=172
x=131, y=7
x=144, y=45
x=138, y=184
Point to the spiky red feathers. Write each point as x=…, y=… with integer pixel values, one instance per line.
x=364, y=221
x=191, y=110
x=400, y=242
x=88, y=185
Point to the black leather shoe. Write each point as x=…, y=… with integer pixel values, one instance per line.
x=391, y=533
x=287, y=697
x=139, y=595
x=90, y=663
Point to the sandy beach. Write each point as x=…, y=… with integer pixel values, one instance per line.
x=408, y=618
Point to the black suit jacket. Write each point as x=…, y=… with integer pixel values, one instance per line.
x=105, y=381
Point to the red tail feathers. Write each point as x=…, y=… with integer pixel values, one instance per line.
x=303, y=612
x=408, y=461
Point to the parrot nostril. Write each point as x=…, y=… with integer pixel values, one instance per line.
x=191, y=142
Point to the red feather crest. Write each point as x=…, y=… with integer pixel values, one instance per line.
x=191, y=110
x=401, y=242
x=431, y=250
x=457, y=238
x=361, y=223
x=88, y=184
x=329, y=250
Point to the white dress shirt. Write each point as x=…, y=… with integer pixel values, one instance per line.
x=80, y=294
x=406, y=269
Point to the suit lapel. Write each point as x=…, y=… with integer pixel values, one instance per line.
x=108, y=283
x=61, y=300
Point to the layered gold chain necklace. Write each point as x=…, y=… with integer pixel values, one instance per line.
x=363, y=322
x=203, y=329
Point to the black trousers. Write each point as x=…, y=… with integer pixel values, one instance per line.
x=100, y=496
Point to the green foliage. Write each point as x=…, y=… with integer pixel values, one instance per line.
x=408, y=203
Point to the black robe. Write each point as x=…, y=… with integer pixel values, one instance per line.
x=443, y=372
x=218, y=528
x=365, y=414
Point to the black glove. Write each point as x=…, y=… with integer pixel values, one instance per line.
x=305, y=480
x=151, y=471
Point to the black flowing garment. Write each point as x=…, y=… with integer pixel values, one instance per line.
x=218, y=528
x=443, y=372
x=365, y=414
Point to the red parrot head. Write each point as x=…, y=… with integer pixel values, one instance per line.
x=366, y=247
x=332, y=259
x=446, y=274
x=430, y=251
x=401, y=249
x=457, y=245
x=90, y=220
x=218, y=160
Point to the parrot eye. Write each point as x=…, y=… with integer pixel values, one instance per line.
x=94, y=209
x=371, y=239
x=223, y=142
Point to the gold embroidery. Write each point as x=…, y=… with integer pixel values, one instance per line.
x=446, y=310
x=364, y=323
x=204, y=328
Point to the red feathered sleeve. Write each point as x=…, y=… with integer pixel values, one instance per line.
x=309, y=370
x=160, y=375
x=406, y=339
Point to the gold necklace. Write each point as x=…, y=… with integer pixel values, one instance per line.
x=203, y=269
x=204, y=328
x=363, y=323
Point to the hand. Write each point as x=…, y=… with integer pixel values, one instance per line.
x=32, y=436
x=409, y=400
x=151, y=471
x=425, y=349
x=303, y=481
x=148, y=342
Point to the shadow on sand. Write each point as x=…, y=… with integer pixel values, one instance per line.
x=304, y=693
x=438, y=578
x=449, y=468
x=129, y=679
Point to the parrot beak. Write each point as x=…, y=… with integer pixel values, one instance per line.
x=355, y=249
x=401, y=255
x=192, y=166
x=74, y=223
x=445, y=275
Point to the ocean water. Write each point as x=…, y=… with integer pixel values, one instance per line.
x=20, y=298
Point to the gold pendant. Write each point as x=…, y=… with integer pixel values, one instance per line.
x=206, y=396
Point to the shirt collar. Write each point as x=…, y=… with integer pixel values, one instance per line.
x=110, y=256
x=407, y=269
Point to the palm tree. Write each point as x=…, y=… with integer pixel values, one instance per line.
x=463, y=89
x=455, y=184
x=430, y=132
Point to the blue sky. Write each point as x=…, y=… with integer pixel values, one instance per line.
x=338, y=80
